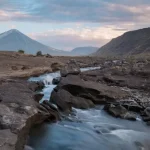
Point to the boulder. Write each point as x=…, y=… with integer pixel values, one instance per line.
x=56, y=80
x=18, y=113
x=119, y=111
x=70, y=68
x=56, y=66
x=148, y=123
x=97, y=92
x=38, y=96
x=65, y=101
x=147, y=111
x=72, y=91
x=62, y=99
x=133, y=107
x=48, y=56
x=36, y=86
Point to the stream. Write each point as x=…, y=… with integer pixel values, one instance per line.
x=91, y=129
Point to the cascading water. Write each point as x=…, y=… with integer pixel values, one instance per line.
x=47, y=80
x=91, y=129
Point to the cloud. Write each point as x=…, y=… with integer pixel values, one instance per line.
x=94, y=22
x=69, y=38
x=9, y=16
x=101, y=11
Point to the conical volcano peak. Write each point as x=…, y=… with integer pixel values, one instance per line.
x=13, y=31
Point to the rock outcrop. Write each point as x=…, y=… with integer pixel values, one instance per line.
x=70, y=68
x=115, y=84
x=56, y=66
x=120, y=111
x=19, y=112
x=73, y=91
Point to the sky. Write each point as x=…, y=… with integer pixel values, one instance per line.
x=66, y=24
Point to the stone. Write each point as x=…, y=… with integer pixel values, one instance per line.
x=119, y=111
x=56, y=66
x=146, y=119
x=56, y=80
x=148, y=123
x=133, y=107
x=70, y=68
x=147, y=111
x=99, y=93
x=62, y=99
x=18, y=113
x=65, y=101
x=38, y=97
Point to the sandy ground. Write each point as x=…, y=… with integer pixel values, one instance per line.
x=13, y=64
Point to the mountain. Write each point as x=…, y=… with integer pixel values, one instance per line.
x=14, y=40
x=83, y=51
x=130, y=43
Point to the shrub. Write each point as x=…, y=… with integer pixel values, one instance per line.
x=21, y=51
x=39, y=53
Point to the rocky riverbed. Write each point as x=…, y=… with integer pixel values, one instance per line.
x=92, y=108
x=105, y=86
x=119, y=86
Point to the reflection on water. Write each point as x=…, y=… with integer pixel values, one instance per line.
x=91, y=129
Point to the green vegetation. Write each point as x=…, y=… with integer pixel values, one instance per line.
x=39, y=53
x=21, y=51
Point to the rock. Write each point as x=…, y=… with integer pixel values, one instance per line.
x=36, y=86
x=70, y=68
x=54, y=114
x=146, y=119
x=56, y=80
x=97, y=92
x=38, y=97
x=48, y=56
x=148, y=123
x=20, y=67
x=72, y=91
x=133, y=107
x=50, y=105
x=147, y=111
x=119, y=111
x=14, y=68
x=62, y=99
x=56, y=66
x=24, y=67
x=65, y=101
x=18, y=113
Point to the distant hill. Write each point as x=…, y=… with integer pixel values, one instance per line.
x=81, y=51
x=14, y=40
x=130, y=43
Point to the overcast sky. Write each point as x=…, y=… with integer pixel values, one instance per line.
x=66, y=24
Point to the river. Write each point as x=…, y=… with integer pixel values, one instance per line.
x=91, y=129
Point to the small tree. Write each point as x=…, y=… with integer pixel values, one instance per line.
x=39, y=53
x=21, y=51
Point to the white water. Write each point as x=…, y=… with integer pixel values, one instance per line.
x=48, y=78
x=91, y=129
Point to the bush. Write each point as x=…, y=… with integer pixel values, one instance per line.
x=21, y=51
x=39, y=53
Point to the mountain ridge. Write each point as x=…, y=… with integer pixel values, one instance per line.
x=130, y=43
x=84, y=50
x=13, y=40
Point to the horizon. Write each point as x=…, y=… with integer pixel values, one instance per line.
x=61, y=26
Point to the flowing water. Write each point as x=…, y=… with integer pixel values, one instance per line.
x=91, y=129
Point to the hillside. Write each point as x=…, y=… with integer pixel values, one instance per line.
x=130, y=43
x=83, y=51
x=13, y=40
